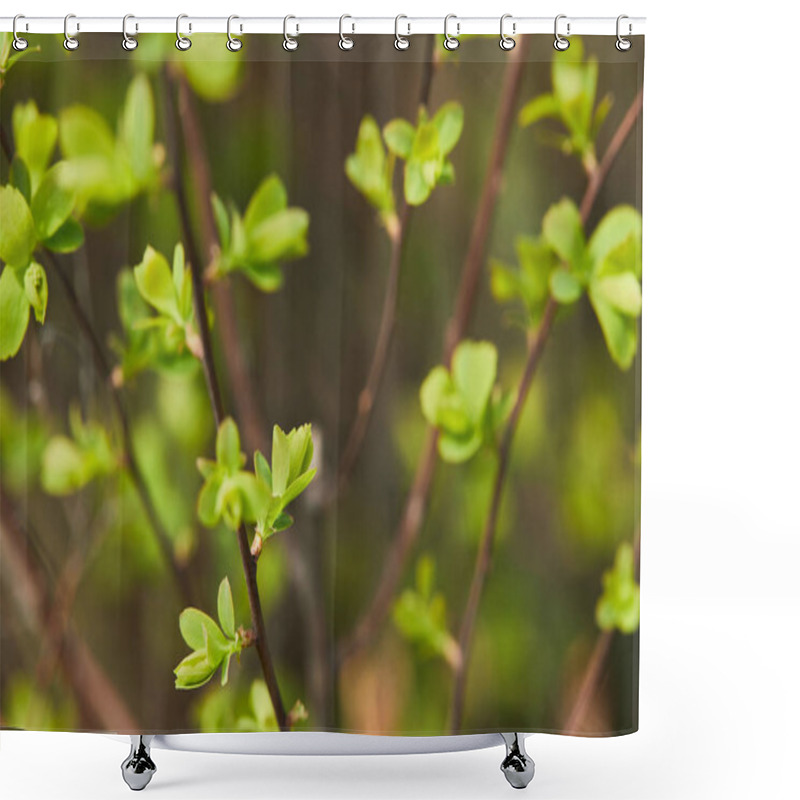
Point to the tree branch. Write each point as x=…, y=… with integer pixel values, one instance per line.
x=414, y=509
x=380, y=356
x=249, y=565
x=535, y=349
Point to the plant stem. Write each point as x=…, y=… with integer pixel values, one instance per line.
x=215, y=395
x=413, y=512
x=535, y=348
x=380, y=356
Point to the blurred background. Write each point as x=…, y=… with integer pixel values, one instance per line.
x=573, y=490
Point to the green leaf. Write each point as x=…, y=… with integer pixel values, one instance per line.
x=281, y=461
x=279, y=236
x=229, y=452
x=20, y=178
x=225, y=609
x=563, y=231
x=282, y=522
x=268, y=199
x=253, y=496
x=138, y=126
x=541, y=107
x=437, y=390
x=613, y=230
x=199, y=631
x=417, y=188
x=366, y=168
x=399, y=137
x=154, y=280
x=53, y=202
x=564, y=286
x=67, y=239
x=14, y=313
x=266, y=277
x=17, y=234
x=194, y=671
x=620, y=291
x=618, y=606
x=226, y=666
x=222, y=221
x=504, y=282
x=35, y=137
x=458, y=449
x=619, y=330
x=213, y=72
x=301, y=450
x=36, y=290
x=207, y=505
x=263, y=472
x=449, y=122
x=297, y=486
x=474, y=371
x=84, y=133
x=64, y=467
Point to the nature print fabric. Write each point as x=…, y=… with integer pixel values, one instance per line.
x=320, y=386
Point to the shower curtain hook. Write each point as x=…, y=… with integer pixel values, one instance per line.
x=401, y=42
x=129, y=42
x=345, y=42
x=182, y=42
x=234, y=44
x=450, y=42
x=289, y=42
x=560, y=42
x=506, y=42
x=18, y=44
x=623, y=44
x=70, y=42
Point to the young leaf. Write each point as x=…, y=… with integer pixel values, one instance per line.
x=194, y=671
x=154, y=280
x=280, y=461
x=225, y=609
x=366, y=168
x=474, y=371
x=399, y=137
x=53, y=202
x=268, y=199
x=14, y=313
x=563, y=231
x=67, y=239
x=228, y=447
x=138, y=126
x=17, y=233
x=199, y=630
x=564, y=286
x=618, y=606
x=449, y=122
x=36, y=290
x=35, y=137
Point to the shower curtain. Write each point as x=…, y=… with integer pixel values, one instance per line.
x=320, y=385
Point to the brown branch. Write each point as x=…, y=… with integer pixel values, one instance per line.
x=179, y=571
x=388, y=319
x=97, y=696
x=174, y=125
x=535, y=348
x=414, y=509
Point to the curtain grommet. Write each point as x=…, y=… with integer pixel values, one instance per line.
x=622, y=44
x=183, y=43
x=451, y=42
x=401, y=42
x=560, y=43
x=70, y=42
x=233, y=44
x=506, y=42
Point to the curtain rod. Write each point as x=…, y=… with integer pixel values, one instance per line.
x=298, y=25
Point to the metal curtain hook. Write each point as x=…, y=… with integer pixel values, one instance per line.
x=289, y=42
x=345, y=42
x=623, y=44
x=560, y=42
x=506, y=42
x=450, y=42
x=234, y=44
x=401, y=42
x=182, y=42
x=70, y=42
x=129, y=42
x=19, y=43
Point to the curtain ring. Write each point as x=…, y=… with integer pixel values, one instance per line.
x=19, y=44
x=450, y=42
x=289, y=42
x=401, y=42
x=129, y=42
x=506, y=42
x=182, y=42
x=623, y=44
x=234, y=44
x=70, y=42
x=345, y=42
x=560, y=42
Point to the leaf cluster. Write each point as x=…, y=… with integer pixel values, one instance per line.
x=213, y=646
x=618, y=606
x=269, y=232
x=464, y=403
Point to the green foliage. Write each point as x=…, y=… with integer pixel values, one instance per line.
x=27, y=706
x=106, y=169
x=8, y=55
x=463, y=403
x=424, y=148
x=167, y=340
x=69, y=463
x=229, y=494
x=572, y=103
x=290, y=474
x=269, y=232
x=22, y=441
x=35, y=136
x=608, y=268
x=261, y=714
x=420, y=614
x=618, y=607
x=212, y=645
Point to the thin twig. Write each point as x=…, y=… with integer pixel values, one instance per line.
x=413, y=512
x=100, y=702
x=215, y=395
x=380, y=356
x=535, y=348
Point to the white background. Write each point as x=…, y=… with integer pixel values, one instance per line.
x=720, y=695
